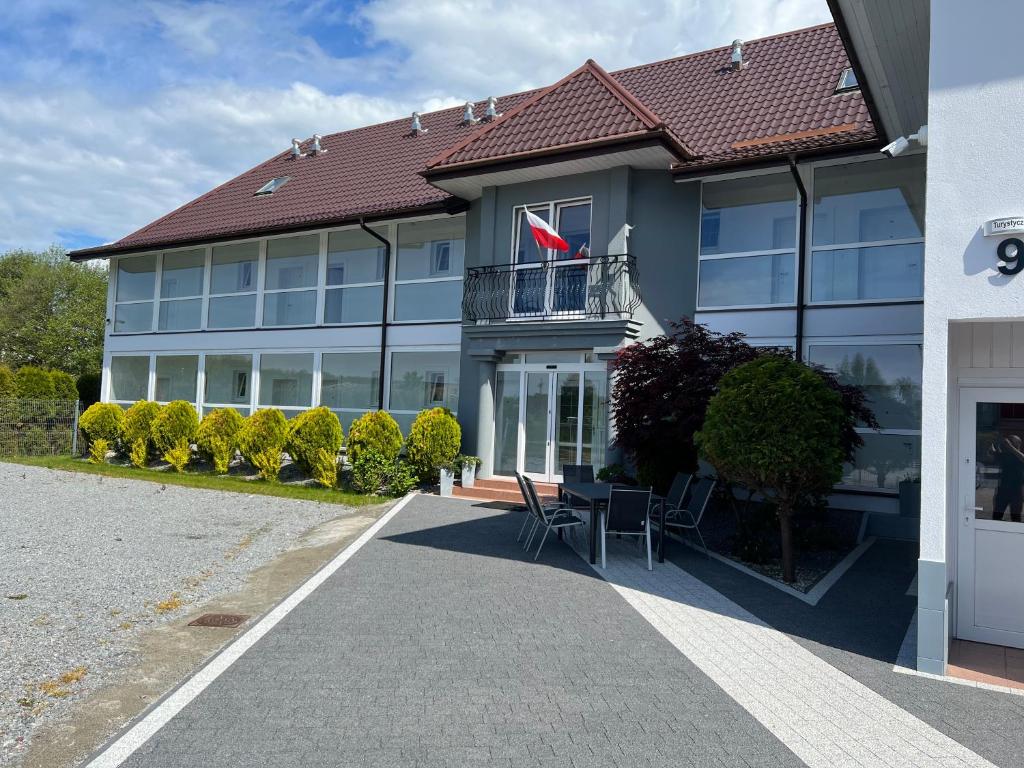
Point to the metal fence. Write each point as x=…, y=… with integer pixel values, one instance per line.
x=38, y=427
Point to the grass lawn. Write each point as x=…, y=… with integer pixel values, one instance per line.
x=207, y=480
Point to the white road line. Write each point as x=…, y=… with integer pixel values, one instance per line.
x=122, y=748
x=822, y=715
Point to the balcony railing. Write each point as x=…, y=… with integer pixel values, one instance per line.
x=598, y=287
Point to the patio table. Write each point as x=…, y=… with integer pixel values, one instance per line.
x=597, y=496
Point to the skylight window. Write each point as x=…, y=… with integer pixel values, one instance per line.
x=847, y=81
x=273, y=185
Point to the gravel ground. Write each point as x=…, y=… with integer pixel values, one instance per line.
x=87, y=561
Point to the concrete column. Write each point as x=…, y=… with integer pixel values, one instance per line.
x=486, y=377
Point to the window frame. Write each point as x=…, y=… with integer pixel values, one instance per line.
x=254, y=292
x=324, y=288
x=153, y=300
x=202, y=296
x=395, y=282
x=389, y=368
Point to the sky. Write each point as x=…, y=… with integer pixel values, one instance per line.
x=115, y=112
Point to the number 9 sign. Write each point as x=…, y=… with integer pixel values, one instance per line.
x=1011, y=254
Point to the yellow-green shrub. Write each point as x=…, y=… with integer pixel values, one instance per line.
x=262, y=439
x=374, y=431
x=102, y=421
x=434, y=441
x=217, y=438
x=311, y=433
x=98, y=450
x=137, y=431
x=174, y=430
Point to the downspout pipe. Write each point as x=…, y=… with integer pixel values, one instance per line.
x=384, y=312
x=801, y=259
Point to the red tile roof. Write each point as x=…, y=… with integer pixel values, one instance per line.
x=706, y=113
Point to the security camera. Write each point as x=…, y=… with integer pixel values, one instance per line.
x=897, y=147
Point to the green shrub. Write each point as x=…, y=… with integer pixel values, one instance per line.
x=217, y=438
x=403, y=480
x=98, y=449
x=137, y=431
x=434, y=441
x=88, y=386
x=311, y=432
x=35, y=442
x=262, y=439
x=373, y=472
x=377, y=431
x=325, y=468
x=174, y=430
x=8, y=389
x=102, y=421
x=33, y=383
x=64, y=387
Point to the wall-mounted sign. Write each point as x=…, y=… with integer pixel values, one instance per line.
x=1010, y=225
x=1011, y=256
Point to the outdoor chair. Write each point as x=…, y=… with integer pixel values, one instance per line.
x=526, y=501
x=628, y=514
x=552, y=517
x=688, y=515
x=576, y=473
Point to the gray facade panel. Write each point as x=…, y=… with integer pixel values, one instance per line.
x=864, y=320
x=757, y=325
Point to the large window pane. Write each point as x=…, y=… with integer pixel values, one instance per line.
x=182, y=274
x=595, y=418
x=883, y=461
x=441, y=300
x=176, y=377
x=136, y=278
x=289, y=308
x=133, y=317
x=227, y=379
x=890, y=376
x=180, y=315
x=424, y=380
x=233, y=268
x=750, y=214
x=286, y=379
x=882, y=272
x=431, y=249
x=869, y=201
x=292, y=262
x=350, y=380
x=353, y=256
x=129, y=378
x=354, y=305
x=506, y=422
x=574, y=227
x=232, y=311
x=747, y=280
x=527, y=250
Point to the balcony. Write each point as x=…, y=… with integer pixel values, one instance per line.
x=595, y=288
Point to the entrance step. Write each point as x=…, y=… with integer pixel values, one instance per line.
x=503, y=489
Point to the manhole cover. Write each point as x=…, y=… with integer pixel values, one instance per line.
x=218, y=620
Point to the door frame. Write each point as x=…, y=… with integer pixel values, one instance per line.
x=965, y=520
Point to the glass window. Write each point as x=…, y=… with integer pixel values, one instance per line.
x=428, y=270
x=883, y=461
x=181, y=274
x=292, y=262
x=750, y=214
x=890, y=375
x=870, y=201
x=136, y=278
x=289, y=308
x=999, y=461
x=747, y=281
x=424, y=380
x=227, y=380
x=286, y=380
x=129, y=378
x=355, y=259
x=137, y=316
x=881, y=272
x=527, y=250
x=180, y=315
x=506, y=422
x=233, y=268
x=232, y=311
x=176, y=377
x=572, y=222
x=349, y=383
x=595, y=418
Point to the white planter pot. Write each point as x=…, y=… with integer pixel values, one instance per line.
x=447, y=482
x=468, y=475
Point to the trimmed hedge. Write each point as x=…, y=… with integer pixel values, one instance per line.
x=217, y=438
x=33, y=383
x=262, y=439
x=8, y=388
x=174, y=430
x=137, y=431
x=102, y=421
x=64, y=387
x=314, y=439
x=374, y=431
x=434, y=441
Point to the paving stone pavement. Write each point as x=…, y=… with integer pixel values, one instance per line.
x=440, y=644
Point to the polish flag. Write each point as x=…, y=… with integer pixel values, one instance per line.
x=545, y=236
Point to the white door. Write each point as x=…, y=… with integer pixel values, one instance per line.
x=990, y=550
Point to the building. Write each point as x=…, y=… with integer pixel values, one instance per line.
x=389, y=266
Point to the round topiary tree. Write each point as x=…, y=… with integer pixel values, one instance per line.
x=217, y=439
x=776, y=427
x=174, y=430
x=102, y=421
x=434, y=441
x=375, y=431
x=137, y=431
x=262, y=439
x=314, y=440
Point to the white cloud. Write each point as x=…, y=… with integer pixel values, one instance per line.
x=217, y=87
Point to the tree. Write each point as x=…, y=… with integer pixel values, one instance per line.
x=776, y=426
x=661, y=392
x=52, y=312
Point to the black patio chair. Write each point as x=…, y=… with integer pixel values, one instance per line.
x=677, y=492
x=687, y=517
x=628, y=514
x=576, y=473
x=550, y=518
